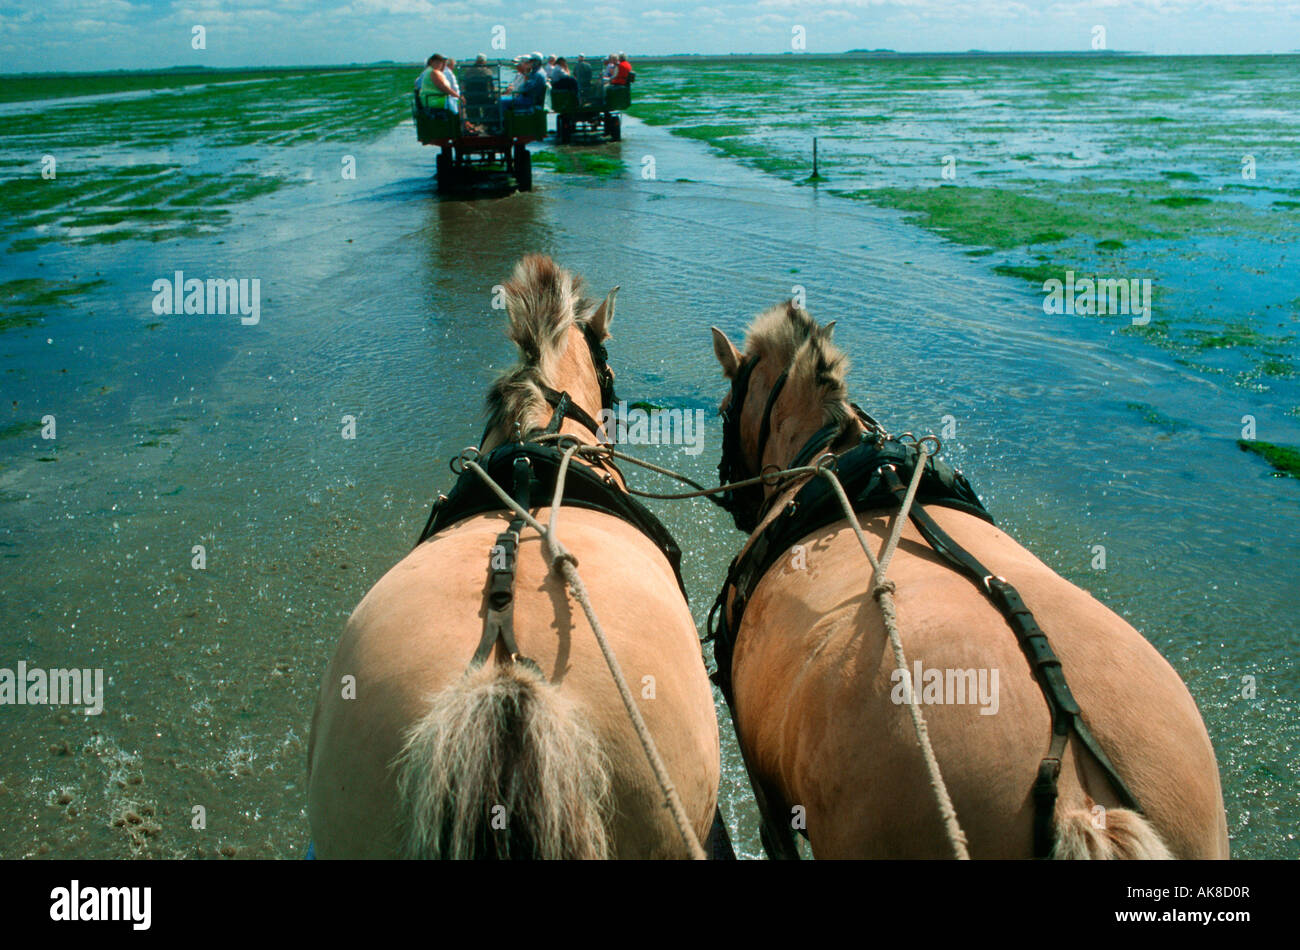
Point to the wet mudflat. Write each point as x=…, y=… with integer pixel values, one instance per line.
x=176, y=430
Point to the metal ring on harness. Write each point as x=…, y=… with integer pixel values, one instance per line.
x=828, y=462
x=938, y=446
x=469, y=453
x=771, y=474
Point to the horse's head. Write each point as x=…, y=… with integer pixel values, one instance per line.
x=787, y=387
x=561, y=339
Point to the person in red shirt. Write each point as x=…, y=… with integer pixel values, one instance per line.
x=623, y=76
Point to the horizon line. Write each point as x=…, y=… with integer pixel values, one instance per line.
x=786, y=54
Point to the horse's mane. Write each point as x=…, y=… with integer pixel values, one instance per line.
x=787, y=335
x=543, y=301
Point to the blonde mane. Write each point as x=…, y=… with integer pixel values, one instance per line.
x=543, y=302
x=787, y=336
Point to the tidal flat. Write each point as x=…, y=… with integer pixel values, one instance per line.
x=177, y=430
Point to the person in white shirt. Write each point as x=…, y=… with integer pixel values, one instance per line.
x=449, y=73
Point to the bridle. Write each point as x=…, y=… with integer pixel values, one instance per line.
x=742, y=504
x=562, y=403
x=747, y=505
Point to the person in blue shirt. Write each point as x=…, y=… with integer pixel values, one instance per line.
x=532, y=93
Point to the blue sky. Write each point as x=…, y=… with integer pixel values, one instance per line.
x=116, y=34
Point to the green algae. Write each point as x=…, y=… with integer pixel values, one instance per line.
x=1284, y=458
x=26, y=301
x=92, y=201
x=18, y=429
x=1181, y=201
x=1154, y=417
x=155, y=202
x=580, y=163
x=1231, y=335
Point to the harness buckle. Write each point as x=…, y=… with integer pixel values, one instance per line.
x=988, y=582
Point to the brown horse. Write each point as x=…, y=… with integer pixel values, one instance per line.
x=816, y=694
x=527, y=752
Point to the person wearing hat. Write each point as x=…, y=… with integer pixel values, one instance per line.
x=532, y=91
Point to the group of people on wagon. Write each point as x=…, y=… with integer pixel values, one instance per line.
x=437, y=89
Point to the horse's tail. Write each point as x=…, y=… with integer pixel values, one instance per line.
x=1093, y=833
x=502, y=766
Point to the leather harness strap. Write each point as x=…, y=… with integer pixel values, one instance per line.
x=565, y=407
x=1066, y=715
x=498, y=621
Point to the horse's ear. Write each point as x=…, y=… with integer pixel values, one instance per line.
x=827, y=330
x=726, y=353
x=603, y=317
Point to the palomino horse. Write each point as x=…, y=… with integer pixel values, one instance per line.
x=451, y=725
x=813, y=686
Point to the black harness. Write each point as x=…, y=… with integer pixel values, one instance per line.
x=529, y=469
x=874, y=474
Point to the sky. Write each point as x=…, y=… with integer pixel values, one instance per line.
x=41, y=35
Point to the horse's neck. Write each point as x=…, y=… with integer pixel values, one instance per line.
x=792, y=437
x=538, y=421
x=791, y=434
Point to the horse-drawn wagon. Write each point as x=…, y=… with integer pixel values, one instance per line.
x=591, y=109
x=484, y=132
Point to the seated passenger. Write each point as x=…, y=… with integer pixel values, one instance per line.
x=419, y=80
x=449, y=74
x=590, y=88
x=582, y=72
x=436, y=93
x=562, y=79
x=478, y=99
x=531, y=92
x=622, y=72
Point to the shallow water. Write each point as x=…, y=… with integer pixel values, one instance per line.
x=376, y=302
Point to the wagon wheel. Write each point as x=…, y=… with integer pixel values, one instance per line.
x=566, y=129
x=615, y=128
x=523, y=167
